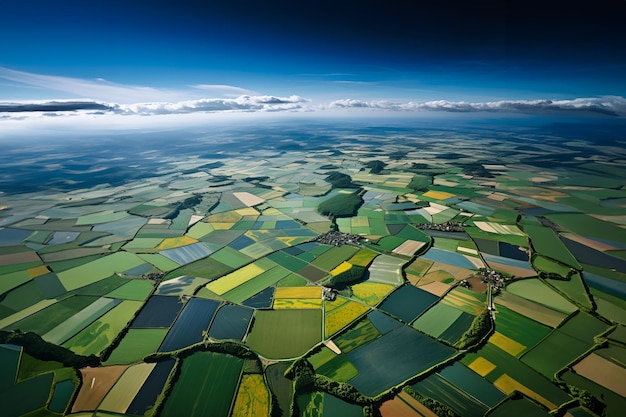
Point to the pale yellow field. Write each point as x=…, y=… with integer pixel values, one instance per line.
x=312, y=291
x=409, y=247
x=248, y=199
x=360, y=221
x=371, y=292
x=482, y=366
x=234, y=279
x=502, y=229
x=507, y=385
x=222, y=226
x=436, y=288
x=252, y=397
x=176, y=242
x=226, y=217
x=507, y=344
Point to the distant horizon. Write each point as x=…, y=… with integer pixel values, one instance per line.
x=352, y=54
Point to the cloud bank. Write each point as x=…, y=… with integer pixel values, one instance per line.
x=243, y=103
x=610, y=105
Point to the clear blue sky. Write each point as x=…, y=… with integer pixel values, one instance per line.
x=153, y=50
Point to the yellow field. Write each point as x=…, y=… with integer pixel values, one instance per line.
x=343, y=316
x=360, y=221
x=38, y=271
x=437, y=195
x=176, y=242
x=252, y=397
x=482, y=366
x=342, y=267
x=312, y=291
x=363, y=257
x=234, y=279
x=507, y=344
x=507, y=385
x=222, y=226
x=226, y=217
x=297, y=303
x=371, y=292
x=333, y=305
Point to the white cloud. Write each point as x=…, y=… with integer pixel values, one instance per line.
x=609, y=105
x=240, y=104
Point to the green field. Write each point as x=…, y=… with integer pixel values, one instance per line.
x=285, y=333
x=363, y=332
x=94, y=271
x=520, y=328
x=547, y=243
x=79, y=321
x=99, y=334
x=519, y=407
x=135, y=345
x=586, y=225
x=535, y=290
x=437, y=319
x=50, y=317
x=206, y=387
x=334, y=256
x=509, y=365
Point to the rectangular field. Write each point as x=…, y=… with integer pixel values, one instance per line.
x=197, y=391
x=285, y=333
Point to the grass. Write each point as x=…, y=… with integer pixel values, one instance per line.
x=371, y=292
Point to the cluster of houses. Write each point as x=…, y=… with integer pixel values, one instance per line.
x=442, y=227
x=338, y=238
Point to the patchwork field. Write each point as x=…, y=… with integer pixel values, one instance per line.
x=211, y=248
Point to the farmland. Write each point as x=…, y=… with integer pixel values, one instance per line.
x=199, y=288
x=197, y=394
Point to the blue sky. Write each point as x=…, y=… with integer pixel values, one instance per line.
x=139, y=51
